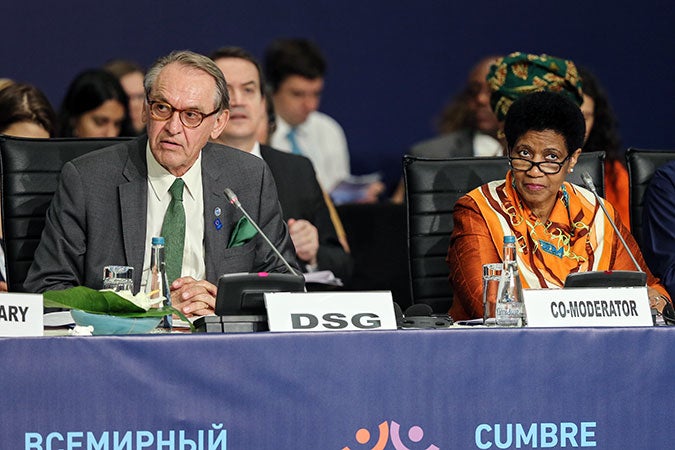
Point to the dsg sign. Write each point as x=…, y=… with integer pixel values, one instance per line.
x=330, y=311
x=335, y=321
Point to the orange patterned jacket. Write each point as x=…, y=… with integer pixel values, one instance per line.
x=472, y=244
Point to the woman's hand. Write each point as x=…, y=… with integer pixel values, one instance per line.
x=656, y=299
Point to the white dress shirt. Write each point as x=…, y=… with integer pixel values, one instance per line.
x=256, y=150
x=323, y=141
x=485, y=145
x=159, y=182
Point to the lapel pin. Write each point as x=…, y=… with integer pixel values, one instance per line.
x=218, y=224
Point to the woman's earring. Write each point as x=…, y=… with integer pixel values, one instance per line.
x=571, y=170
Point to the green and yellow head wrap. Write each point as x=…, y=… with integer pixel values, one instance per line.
x=519, y=74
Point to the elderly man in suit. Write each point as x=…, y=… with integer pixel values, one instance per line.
x=109, y=203
x=304, y=207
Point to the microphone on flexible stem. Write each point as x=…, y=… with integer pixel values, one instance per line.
x=588, y=181
x=232, y=198
x=668, y=312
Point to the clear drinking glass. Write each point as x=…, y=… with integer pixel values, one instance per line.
x=492, y=273
x=118, y=278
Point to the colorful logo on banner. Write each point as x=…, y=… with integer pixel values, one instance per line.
x=389, y=433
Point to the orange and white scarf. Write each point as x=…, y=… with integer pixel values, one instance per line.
x=576, y=238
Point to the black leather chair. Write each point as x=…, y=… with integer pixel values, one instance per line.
x=641, y=165
x=29, y=169
x=432, y=188
x=377, y=238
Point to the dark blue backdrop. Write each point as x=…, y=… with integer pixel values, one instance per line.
x=393, y=64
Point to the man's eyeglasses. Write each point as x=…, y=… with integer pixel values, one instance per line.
x=191, y=118
x=547, y=167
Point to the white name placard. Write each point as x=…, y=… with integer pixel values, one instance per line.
x=588, y=307
x=20, y=314
x=330, y=311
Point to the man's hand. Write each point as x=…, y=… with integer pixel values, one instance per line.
x=373, y=192
x=305, y=239
x=193, y=297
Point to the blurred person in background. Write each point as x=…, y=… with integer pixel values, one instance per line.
x=467, y=125
x=24, y=112
x=602, y=135
x=315, y=239
x=295, y=70
x=95, y=106
x=266, y=128
x=4, y=82
x=130, y=75
x=658, y=225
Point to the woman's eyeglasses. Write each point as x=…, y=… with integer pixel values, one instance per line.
x=547, y=167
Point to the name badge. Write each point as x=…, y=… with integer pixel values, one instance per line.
x=330, y=311
x=21, y=314
x=588, y=307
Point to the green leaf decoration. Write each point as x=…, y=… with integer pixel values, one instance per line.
x=92, y=301
x=104, y=302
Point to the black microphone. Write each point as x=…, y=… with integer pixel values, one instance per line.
x=399, y=315
x=420, y=315
x=668, y=313
x=418, y=310
x=588, y=181
x=232, y=197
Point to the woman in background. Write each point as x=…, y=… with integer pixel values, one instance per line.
x=602, y=135
x=4, y=82
x=95, y=106
x=131, y=75
x=26, y=112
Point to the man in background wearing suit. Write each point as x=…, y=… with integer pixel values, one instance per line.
x=110, y=203
x=658, y=226
x=302, y=201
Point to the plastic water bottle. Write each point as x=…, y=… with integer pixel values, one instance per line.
x=510, y=310
x=157, y=285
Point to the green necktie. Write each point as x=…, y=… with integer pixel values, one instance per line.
x=173, y=230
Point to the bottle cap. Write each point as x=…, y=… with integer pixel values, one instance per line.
x=509, y=239
x=158, y=240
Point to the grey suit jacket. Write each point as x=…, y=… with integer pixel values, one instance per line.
x=452, y=145
x=98, y=217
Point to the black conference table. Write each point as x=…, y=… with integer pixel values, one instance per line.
x=460, y=388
